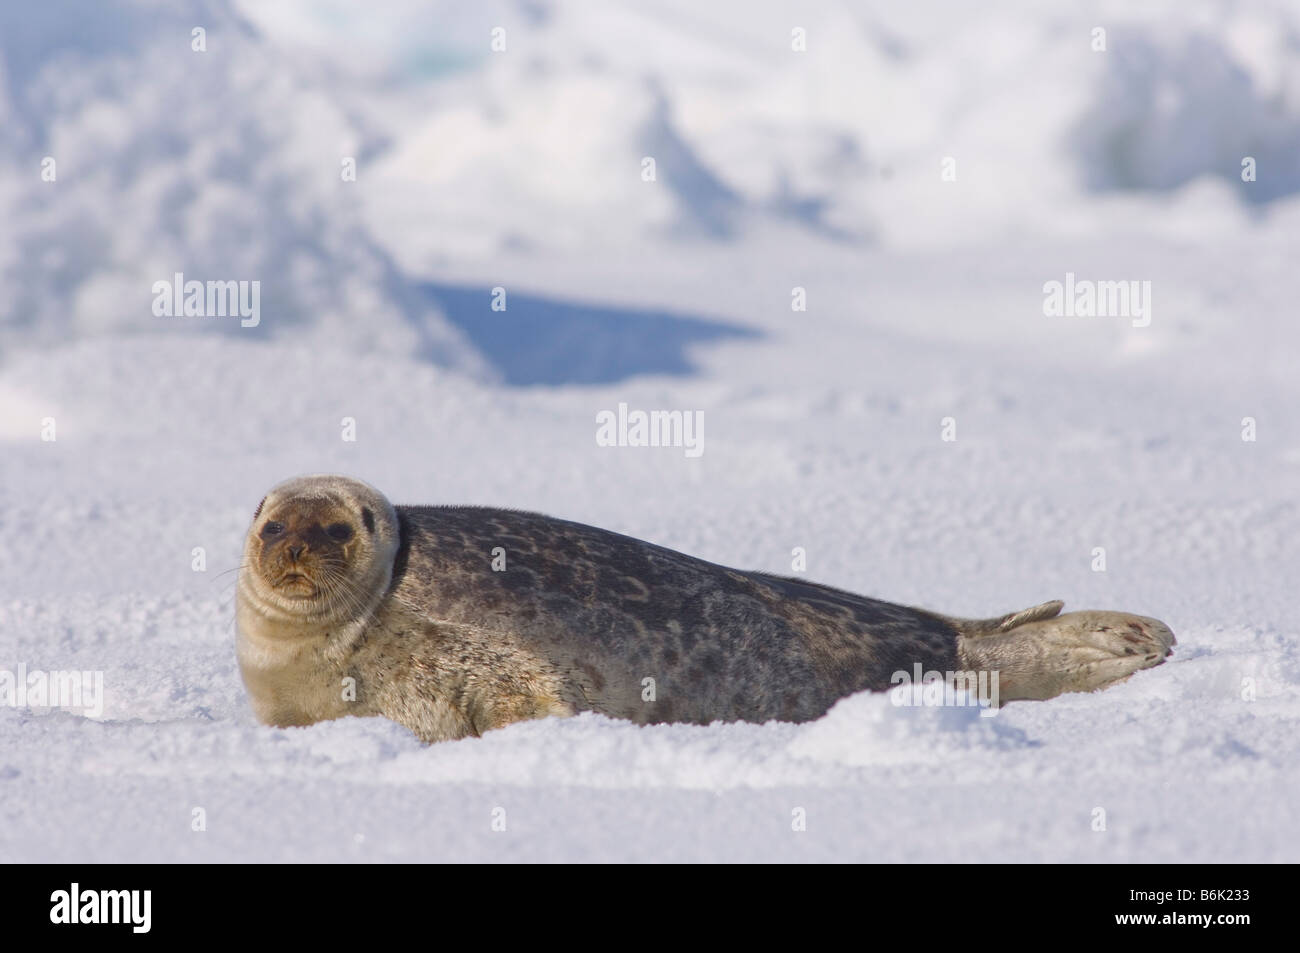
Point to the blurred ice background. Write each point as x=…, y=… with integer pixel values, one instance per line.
x=521, y=169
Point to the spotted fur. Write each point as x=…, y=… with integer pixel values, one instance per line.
x=429, y=633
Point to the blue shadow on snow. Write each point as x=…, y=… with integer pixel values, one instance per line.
x=540, y=340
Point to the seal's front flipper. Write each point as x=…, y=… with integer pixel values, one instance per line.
x=1075, y=652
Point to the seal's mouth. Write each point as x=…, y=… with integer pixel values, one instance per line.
x=295, y=583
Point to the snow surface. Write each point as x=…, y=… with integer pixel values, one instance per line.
x=822, y=428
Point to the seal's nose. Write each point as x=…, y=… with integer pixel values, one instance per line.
x=297, y=550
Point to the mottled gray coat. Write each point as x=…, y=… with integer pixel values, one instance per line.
x=455, y=620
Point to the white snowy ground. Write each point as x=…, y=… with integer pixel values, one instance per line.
x=822, y=431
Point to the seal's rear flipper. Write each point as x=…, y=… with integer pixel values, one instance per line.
x=975, y=628
x=1040, y=654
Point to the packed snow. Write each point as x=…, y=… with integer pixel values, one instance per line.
x=1169, y=440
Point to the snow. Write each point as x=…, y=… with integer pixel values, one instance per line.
x=777, y=169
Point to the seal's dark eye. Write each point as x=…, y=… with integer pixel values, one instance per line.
x=272, y=528
x=339, y=531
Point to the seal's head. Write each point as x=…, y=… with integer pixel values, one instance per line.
x=319, y=548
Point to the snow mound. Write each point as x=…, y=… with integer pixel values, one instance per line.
x=220, y=164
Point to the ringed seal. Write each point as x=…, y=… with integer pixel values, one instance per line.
x=348, y=605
